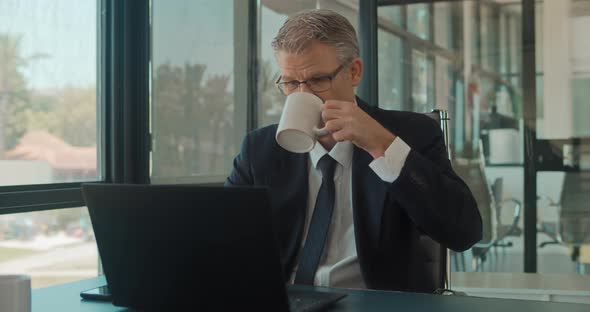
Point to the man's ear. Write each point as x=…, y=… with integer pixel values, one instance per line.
x=356, y=71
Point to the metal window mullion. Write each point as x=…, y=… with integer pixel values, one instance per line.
x=38, y=200
x=368, y=89
x=530, y=135
x=253, y=69
x=127, y=68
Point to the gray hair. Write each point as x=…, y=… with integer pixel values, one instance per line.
x=325, y=26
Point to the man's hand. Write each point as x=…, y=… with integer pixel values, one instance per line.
x=348, y=122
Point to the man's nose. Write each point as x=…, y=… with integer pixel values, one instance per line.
x=303, y=87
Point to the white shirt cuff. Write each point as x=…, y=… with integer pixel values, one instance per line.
x=389, y=166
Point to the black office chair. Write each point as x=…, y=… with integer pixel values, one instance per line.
x=550, y=228
x=498, y=221
x=509, y=228
x=573, y=228
x=442, y=275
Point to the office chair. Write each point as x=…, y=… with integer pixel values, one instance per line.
x=472, y=172
x=444, y=275
x=573, y=228
x=509, y=228
x=492, y=207
x=501, y=230
x=549, y=228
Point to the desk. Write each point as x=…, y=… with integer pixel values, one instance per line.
x=572, y=288
x=65, y=298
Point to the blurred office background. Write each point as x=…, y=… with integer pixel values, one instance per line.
x=513, y=75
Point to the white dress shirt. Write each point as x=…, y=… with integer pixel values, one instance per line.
x=339, y=266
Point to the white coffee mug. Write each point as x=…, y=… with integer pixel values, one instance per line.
x=298, y=128
x=15, y=293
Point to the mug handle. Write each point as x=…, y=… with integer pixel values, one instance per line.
x=320, y=132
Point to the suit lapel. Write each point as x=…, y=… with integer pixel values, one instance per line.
x=368, y=196
x=290, y=190
x=368, y=192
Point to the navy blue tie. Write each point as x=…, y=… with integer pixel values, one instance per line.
x=320, y=224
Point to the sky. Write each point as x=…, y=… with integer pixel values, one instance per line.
x=194, y=32
x=60, y=37
x=202, y=32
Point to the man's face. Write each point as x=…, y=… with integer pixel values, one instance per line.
x=320, y=61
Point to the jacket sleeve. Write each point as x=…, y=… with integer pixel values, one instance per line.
x=435, y=198
x=241, y=173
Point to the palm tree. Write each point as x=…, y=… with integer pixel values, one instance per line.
x=190, y=116
x=13, y=92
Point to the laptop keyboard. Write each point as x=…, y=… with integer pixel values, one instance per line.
x=308, y=301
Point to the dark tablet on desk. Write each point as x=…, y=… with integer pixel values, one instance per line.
x=101, y=293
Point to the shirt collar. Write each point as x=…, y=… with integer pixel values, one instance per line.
x=341, y=152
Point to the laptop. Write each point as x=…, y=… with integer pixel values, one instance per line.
x=198, y=248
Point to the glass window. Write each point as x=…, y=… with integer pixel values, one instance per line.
x=488, y=111
x=484, y=110
x=469, y=29
x=503, y=44
x=515, y=43
x=443, y=15
x=270, y=98
x=540, y=106
x=419, y=20
x=489, y=37
x=53, y=247
x=562, y=52
x=391, y=67
x=443, y=81
x=539, y=21
x=563, y=84
x=580, y=95
x=48, y=113
x=431, y=84
x=422, y=82
x=580, y=63
x=194, y=112
x=465, y=82
x=391, y=13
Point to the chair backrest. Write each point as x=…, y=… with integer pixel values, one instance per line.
x=442, y=117
x=472, y=172
x=507, y=224
x=574, y=215
x=443, y=276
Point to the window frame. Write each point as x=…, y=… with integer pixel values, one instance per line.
x=123, y=138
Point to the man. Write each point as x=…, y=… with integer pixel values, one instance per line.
x=389, y=185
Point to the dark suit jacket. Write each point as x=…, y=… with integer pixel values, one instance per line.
x=393, y=222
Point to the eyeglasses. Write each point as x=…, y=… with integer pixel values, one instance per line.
x=316, y=84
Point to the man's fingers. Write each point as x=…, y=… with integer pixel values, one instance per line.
x=331, y=104
x=330, y=114
x=334, y=125
x=342, y=135
x=334, y=104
